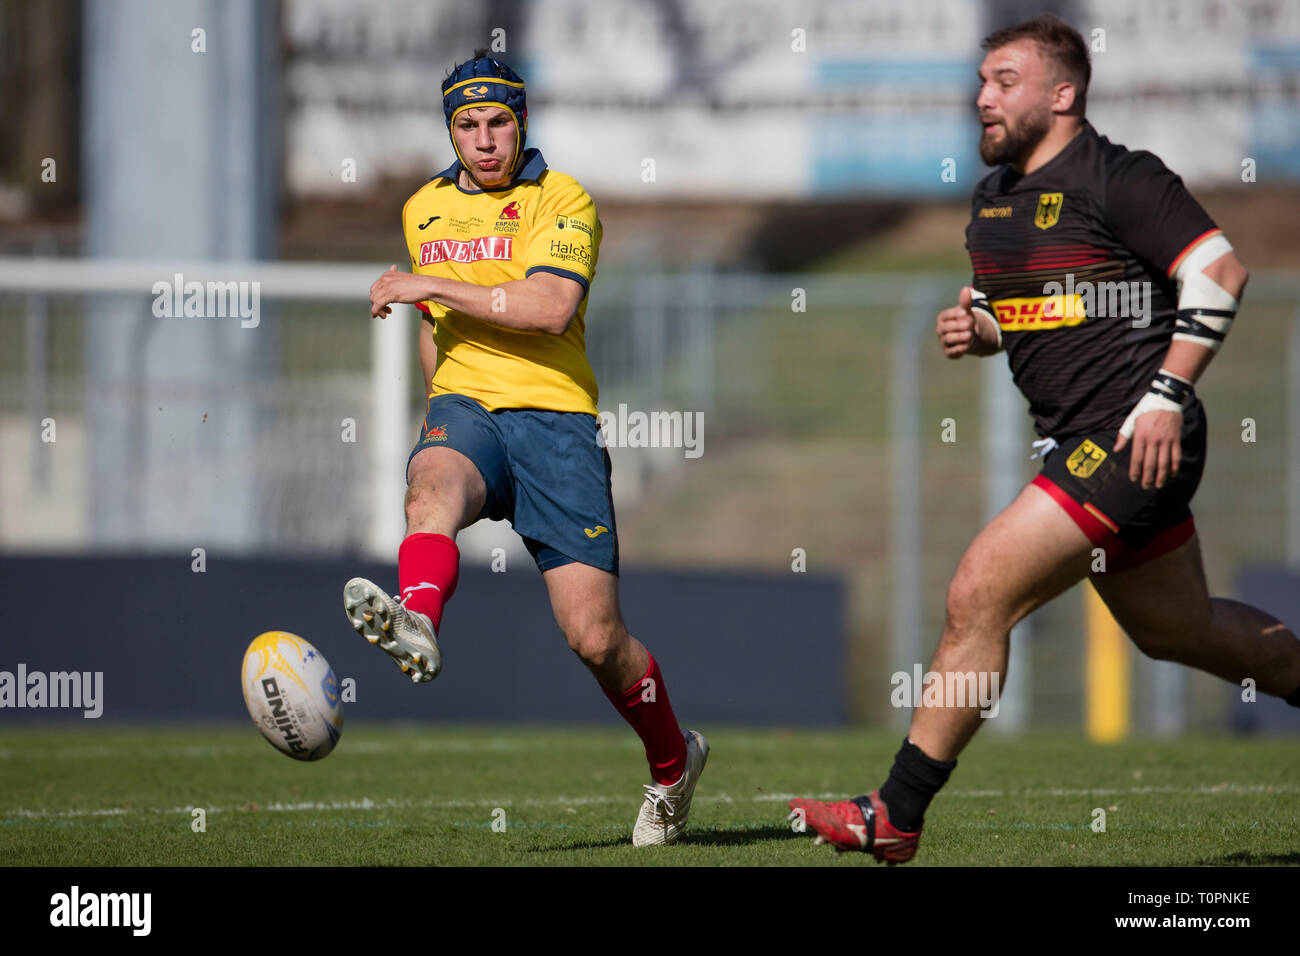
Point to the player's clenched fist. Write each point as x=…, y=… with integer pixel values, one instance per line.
x=394, y=286
x=968, y=327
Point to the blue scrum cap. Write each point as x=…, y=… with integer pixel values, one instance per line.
x=484, y=81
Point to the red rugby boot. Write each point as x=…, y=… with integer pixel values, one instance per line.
x=860, y=824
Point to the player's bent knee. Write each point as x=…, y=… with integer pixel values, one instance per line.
x=971, y=609
x=415, y=492
x=596, y=642
x=1170, y=640
x=1163, y=636
x=594, y=653
x=425, y=492
x=1160, y=645
x=419, y=498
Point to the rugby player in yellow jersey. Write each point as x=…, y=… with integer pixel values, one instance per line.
x=503, y=251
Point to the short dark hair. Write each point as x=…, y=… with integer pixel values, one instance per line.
x=1059, y=42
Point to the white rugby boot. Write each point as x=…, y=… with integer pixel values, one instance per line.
x=405, y=636
x=664, y=814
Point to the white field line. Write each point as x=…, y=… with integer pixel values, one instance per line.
x=204, y=752
x=366, y=803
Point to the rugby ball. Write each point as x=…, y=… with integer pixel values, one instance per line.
x=292, y=695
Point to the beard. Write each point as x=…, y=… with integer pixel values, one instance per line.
x=1017, y=141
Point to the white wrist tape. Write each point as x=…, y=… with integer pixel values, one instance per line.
x=1205, y=309
x=1168, y=393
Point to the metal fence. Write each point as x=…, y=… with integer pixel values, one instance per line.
x=825, y=403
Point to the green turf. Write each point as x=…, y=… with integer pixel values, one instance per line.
x=427, y=795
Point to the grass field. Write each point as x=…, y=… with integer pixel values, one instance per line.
x=427, y=795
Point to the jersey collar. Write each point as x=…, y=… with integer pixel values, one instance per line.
x=532, y=168
x=1086, y=132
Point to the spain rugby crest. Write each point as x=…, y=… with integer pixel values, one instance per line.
x=1049, y=210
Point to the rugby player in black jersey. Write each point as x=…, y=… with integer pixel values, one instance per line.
x=1066, y=232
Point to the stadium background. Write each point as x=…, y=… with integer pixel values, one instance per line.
x=784, y=192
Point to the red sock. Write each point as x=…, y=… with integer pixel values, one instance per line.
x=428, y=566
x=645, y=706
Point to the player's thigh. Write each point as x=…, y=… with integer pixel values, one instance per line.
x=450, y=478
x=1161, y=602
x=1028, y=554
x=585, y=602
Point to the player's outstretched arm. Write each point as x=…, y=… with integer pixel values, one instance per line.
x=969, y=327
x=543, y=302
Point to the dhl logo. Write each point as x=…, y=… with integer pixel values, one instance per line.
x=1040, y=312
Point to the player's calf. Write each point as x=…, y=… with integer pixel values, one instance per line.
x=1165, y=608
x=1233, y=641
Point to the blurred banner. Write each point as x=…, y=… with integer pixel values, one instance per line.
x=758, y=99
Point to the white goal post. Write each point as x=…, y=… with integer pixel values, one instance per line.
x=390, y=342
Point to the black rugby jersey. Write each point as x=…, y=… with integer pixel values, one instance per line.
x=1109, y=226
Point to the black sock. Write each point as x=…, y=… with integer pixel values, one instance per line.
x=913, y=781
x=1293, y=698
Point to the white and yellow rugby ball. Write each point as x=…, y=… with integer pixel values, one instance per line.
x=292, y=695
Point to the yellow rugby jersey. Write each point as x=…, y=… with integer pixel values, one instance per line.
x=543, y=222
